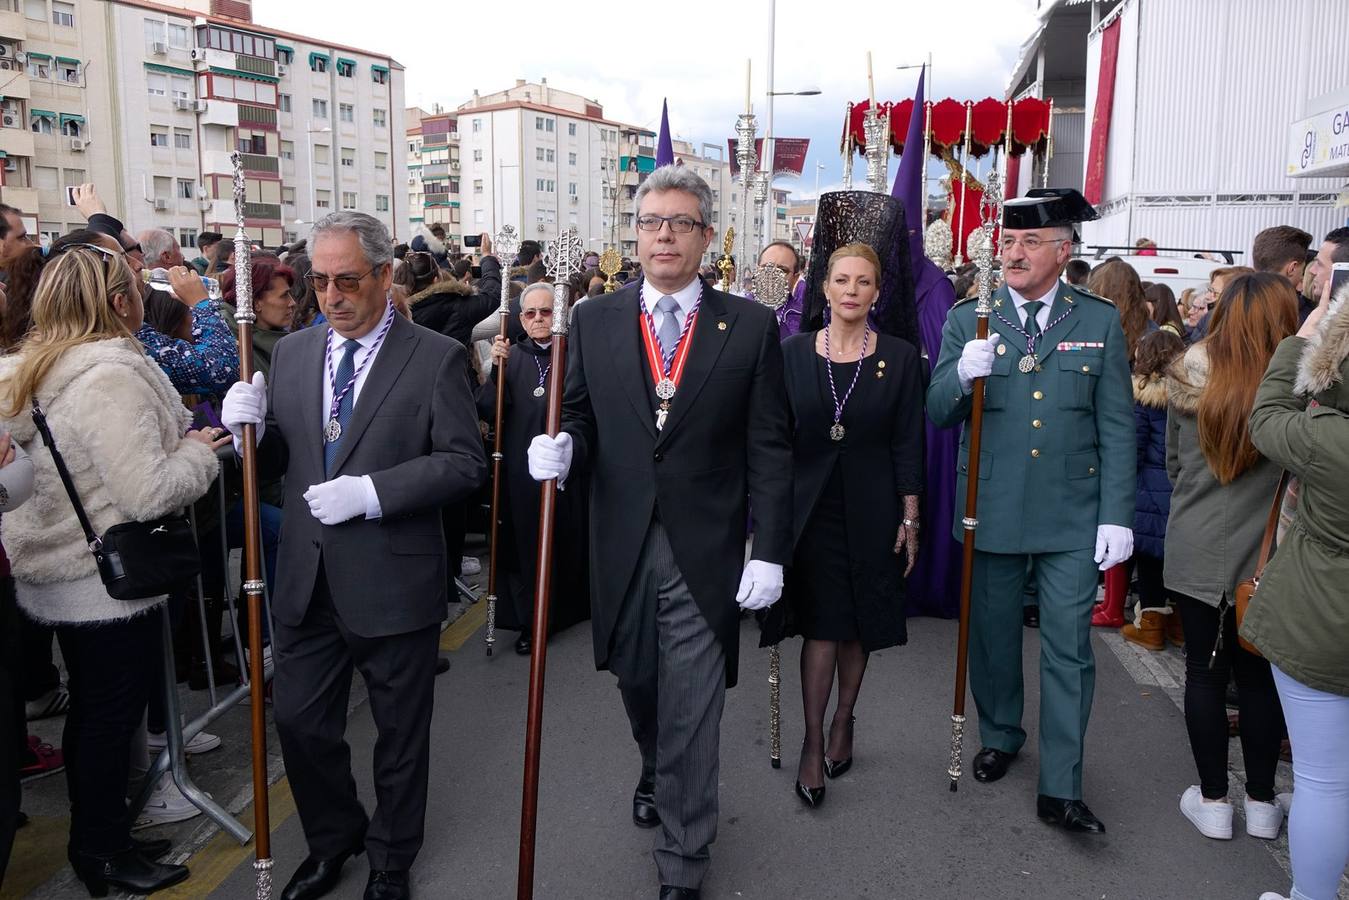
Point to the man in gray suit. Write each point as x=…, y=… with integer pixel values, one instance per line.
x=371, y=420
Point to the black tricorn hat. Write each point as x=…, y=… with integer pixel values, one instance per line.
x=1047, y=208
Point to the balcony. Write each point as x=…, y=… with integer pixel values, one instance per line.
x=257, y=115
x=13, y=26
x=15, y=79
x=435, y=170
x=255, y=64
x=221, y=112
x=255, y=163
x=16, y=141
x=24, y=198
x=269, y=211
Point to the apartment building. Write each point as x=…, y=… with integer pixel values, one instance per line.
x=433, y=177
x=148, y=101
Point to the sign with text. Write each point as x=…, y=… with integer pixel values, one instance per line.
x=789, y=155
x=1319, y=145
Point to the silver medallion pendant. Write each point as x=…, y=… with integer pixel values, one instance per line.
x=1028, y=363
x=538, y=391
x=332, y=433
x=836, y=432
x=665, y=389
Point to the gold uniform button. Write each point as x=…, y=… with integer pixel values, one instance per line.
x=1086, y=368
x=1035, y=453
x=1036, y=424
x=1091, y=470
x=1038, y=395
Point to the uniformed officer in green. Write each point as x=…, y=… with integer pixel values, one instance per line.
x=1056, y=488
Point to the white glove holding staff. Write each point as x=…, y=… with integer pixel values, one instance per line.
x=976, y=361
x=1114, y=544
x=245, y=404
x=760, y=585
x=550, y=457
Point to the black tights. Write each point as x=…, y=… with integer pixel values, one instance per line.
x=1206, y=708
x=819, y=660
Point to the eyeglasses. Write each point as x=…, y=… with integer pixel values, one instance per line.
x=678, y=224
x=111, y=254
x=543, y=313
x=1030, y=243
x=347, y=284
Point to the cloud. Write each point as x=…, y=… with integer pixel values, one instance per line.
x=629, y=58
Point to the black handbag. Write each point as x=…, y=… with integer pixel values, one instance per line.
x=136, y=560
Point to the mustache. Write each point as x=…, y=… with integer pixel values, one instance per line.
x=1018, y=267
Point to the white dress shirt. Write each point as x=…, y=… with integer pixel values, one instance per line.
x=336, y=349
x=685, y=297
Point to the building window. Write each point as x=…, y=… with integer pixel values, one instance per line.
x=477, y=217
x=538, y=153
x=548, y=125
x=320, y=108
x=477, y=154
x=283, y=102
x=538, y=184
x=454, y=185
x=178, y=39
x=571, y=129
x=346, y=69
x=551, y=157
x=571, y=159
x=35, y=10
x=378, y=75
x=381, y=160
x=321, y=154
x=381, y=203
x=323, y=199
x=538, y=123
x=318, y=63
x=288, y=196
x=380, y=117
x=348, y=199
x=477, y=185
x=40, y=124
x=182, y=139
x=571, y=189
x=348, y=158
x=156, y=85
x=552, y=186
x=285, y=57
x=187, y=238
x=186, y=189
x=182, y=87
x=346, y=112
x=287, y=149
x=63, y=14
x=39, y=67
x=159, y=137
x=477, y=125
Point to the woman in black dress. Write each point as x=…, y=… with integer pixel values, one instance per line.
x=527, y=375
x=857, y=408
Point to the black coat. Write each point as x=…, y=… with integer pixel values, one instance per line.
x=524, y=417
x=880, y=460
x=1152, y=506
x=725, y=445
x=453, y=308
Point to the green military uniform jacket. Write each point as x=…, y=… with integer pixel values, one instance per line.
x=1058, y=453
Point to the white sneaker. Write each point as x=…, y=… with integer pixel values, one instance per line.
x=1285, y=801
x=202, y=742
x=1270, y=895
x=166, y=804
x=469, y=565
x=1214, y=820
x=1263, y=820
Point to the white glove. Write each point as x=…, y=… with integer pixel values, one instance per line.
x=760, y=585
x=1114, y=544
x=976, y=361
x=245, y=404
x=336, y=501
x=550, y=457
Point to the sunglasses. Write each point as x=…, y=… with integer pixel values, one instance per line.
x=347, y=284
x=544, y=313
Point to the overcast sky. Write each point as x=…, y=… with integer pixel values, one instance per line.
x=630, y=56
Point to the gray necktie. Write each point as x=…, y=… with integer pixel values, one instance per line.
x=668, y=333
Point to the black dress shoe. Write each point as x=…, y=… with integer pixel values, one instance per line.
x=127, y=871
x=316, y=877
x=442, y=665
x=1030, y=616
x=990, y=764
x=387, y=885
x=644, y=813
x=670, y=892
x=152, y=850
x=812, y=797
x=523, y=645
x=1071, y=815
x=835, y=768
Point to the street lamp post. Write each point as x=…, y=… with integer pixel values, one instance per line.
x=766, y=158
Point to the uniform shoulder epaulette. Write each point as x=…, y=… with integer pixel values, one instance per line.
x=964, y=300
x=1083, y=292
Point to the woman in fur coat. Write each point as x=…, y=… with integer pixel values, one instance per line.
x=124, y=435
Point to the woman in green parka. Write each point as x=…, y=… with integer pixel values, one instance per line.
x=1299, y=618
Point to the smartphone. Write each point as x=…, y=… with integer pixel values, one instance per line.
x=1339, y=279
x=70, y=196
x=472, y=240
x=476, y=272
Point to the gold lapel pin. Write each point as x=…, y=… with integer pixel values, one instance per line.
x=997, y=304
x=880, y=374
x=880, y=364
x=721, y=326
x=1002, y=349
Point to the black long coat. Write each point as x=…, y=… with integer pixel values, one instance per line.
x=518, y=542
x=881, y=460
x=724, y=446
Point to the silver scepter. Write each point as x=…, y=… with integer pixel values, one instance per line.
x=748, y=159
x=506, y=245
x=876, y=128
x=252, y=563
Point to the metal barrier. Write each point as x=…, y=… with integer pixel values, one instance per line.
x=172, y=758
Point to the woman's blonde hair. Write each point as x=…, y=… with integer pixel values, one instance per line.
x=855, y=249
x=72, y=306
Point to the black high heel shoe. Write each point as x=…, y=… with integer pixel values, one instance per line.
x=128, y=871
x=812, y=797
x=834, y=769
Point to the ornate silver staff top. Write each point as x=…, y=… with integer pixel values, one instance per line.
x=876, y=128
x=506, y=244
x=990, y=214
x=243, y=266
x=562, y=260
x=748, y=158
x=770, y=285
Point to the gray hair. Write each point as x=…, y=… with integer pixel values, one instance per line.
x=155, y=242
x=678, y=178
x=536, y=286
x=376, y=243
